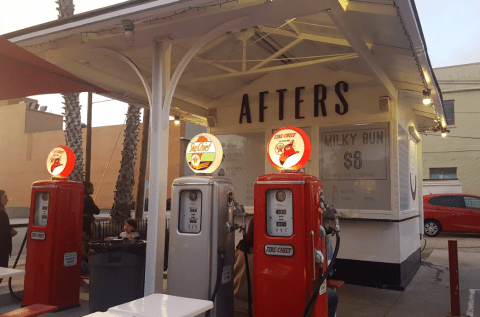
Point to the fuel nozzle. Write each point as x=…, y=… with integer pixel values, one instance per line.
x=330, y=218
x=238, y=210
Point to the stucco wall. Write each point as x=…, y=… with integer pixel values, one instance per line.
x=460, y=148
x=23, y=156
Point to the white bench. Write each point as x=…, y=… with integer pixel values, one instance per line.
x=6, y=272
x=158, y=305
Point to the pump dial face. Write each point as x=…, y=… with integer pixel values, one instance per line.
x=280, y=195
x=192, y=196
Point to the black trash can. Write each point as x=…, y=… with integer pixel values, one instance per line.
x=117, y=273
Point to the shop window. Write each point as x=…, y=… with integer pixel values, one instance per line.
x=449, y=109
x=443, y=173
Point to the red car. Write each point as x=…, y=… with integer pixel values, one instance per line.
x=451, y=212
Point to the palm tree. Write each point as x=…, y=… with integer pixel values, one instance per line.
x=126, y=178
x=73, y=120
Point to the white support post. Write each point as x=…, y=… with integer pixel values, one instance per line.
x=162, y=94
x=158, y=173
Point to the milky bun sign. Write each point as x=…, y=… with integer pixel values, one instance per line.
x=60, y=161
x=204, y=153
x=288, y=148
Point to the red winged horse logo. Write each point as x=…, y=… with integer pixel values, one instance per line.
x=56, y=163
x=288, y=151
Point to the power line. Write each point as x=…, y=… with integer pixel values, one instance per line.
x=455, y=137
x=459, y=151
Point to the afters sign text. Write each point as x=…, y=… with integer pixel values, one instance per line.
x=319, y=98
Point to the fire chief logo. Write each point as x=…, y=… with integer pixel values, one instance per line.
x=203, y=152
x=60, y=161
x=288, y=148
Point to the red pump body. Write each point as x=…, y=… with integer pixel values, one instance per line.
x=52, y=268
x=287, y=220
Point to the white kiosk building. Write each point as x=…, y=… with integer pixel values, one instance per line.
x=351, y=74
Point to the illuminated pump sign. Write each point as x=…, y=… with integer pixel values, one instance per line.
x=204, y=153
x=60, y=161
x=288, y=149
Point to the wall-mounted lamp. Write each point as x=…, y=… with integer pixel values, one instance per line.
x=444, y=132
x=426, y=97
x=171, y=118
x=177, y=120
x=129, y=27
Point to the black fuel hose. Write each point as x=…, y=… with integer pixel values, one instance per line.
x=15, y=265
x=313, y=298
x=249, y=284
x=221, y=253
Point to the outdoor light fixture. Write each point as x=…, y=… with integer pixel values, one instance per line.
x=444, y=132
x=177, y=120
x=426, y=97
x=129, y=27
x=171, y=118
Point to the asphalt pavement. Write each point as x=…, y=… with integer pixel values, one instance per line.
x=427, y=295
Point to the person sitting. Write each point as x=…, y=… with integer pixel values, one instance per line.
x=130, y=231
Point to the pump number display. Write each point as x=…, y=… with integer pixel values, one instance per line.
x=40, y=216
x=279, y=213
x=190, y=216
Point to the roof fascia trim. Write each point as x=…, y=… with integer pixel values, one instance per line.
x=412, y=24
x=103, y=14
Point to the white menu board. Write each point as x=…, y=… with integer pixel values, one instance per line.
x=243, y=161
x=354, y=166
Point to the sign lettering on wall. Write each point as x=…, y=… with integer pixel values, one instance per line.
x=319, y=97
x=354, y=166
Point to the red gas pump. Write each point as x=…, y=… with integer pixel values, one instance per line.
x=54, y=236
x=289, y=236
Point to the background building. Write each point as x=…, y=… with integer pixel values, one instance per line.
x=28, y=135
x=455, y=159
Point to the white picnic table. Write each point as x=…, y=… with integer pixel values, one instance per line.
x=158, y=305
x=7, y=272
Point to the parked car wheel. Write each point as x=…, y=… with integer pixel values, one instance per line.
x=432, y=228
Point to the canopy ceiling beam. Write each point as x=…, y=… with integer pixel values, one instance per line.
x=274, y=68
x=369, y=7
x=114, y=83
x=277, y=53
x=190, y=108
x=198, y=58
x=244, y=36
x=341, y=20
x=309, y=36
x=115, y=54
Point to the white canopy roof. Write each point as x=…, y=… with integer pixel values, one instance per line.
x=378, y=38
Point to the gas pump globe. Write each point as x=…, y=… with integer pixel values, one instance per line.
x=54, y=235
x=201, y=254
x=289, y=238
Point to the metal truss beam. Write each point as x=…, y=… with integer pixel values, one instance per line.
x=339, y=17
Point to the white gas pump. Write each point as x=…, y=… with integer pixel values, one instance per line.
x=201, y=254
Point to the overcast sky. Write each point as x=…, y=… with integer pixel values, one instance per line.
x=451, y=30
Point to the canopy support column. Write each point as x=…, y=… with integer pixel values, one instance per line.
x=158, y=171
